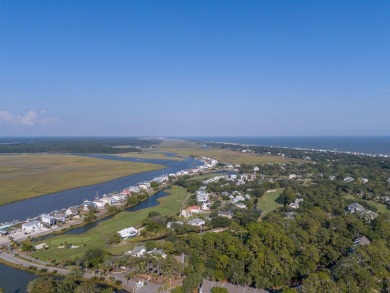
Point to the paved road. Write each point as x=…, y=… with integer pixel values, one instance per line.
x=25, y=263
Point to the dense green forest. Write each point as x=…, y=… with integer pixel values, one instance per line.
x=101, y=145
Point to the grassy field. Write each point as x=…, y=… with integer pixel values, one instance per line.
x=267, y=202
x=382, y=208
x=27, y=176
x=147, y=154
x=185, y=148
x=205, y=176
x=96, y=238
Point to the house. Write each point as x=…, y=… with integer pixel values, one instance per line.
x=161, y=179
x=121, y=197
x=133, y=189
x=99, y=204
x=144, y=186
x=256, y=169
x=292, y=176
x=196, y=222
x=348, y=179
x=188, y=212
x=202, y=196
x=207, y=286
x=72, y=211
x=128, y=232
x=137, y=251
x=88, y=206
x=241, y=205
x=157, y=253
x=108, y=200
x=232, y=177
x=332, y=177
x=364, y=180
x=362, y=241
x=295, y=204
x=60, y=217
x=356, y=208
x=3, y=232
x=225, y=214
x=31, y=226
x=238, y=198
x=47, y=220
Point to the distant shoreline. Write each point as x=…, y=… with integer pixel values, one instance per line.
x=362, y=145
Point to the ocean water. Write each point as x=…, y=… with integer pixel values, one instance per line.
x=358, y=144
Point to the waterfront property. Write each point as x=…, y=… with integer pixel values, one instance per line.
x=96, y=237
x=31, y=226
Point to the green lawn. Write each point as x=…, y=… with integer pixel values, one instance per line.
x=382, y=208
x=96, y=238
x=205, y=176
x=267, y=202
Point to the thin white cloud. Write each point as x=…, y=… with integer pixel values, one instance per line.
x=31, y=118
x=6, y=116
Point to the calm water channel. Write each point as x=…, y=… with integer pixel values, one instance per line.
x=14, y=280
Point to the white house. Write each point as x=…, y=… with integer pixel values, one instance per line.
x=144, y=186
x=241, y=205
x=238, y=198
x=295, y=204
x=31, y=226
x=196, y=222
x=202, y=196
x=133, y=189
x=292, y=176
x=348, y=179
x=256, y=169
x=99, y=204
x=128, y=232
x=121, y=197
x=47, y=220
x=108, y=200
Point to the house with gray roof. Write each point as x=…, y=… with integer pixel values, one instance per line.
x=137, y=251
x=196, y=222
x=356, y=208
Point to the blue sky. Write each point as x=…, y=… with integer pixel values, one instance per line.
x=186, y=68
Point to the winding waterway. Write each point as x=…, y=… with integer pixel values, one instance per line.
x=33, y=207
x=14, y=280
